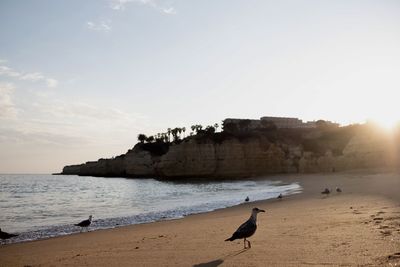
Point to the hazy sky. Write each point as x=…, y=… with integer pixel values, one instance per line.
x=80, y=79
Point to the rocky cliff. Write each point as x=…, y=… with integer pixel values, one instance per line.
x=251, y=154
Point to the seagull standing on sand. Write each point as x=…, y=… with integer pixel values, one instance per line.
x=247, y=229
x=326, y=191
x=5, y=235
x=85, y=223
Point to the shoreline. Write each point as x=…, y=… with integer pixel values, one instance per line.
x=302, y=229
x=222, y=195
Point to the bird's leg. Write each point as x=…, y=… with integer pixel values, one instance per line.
x=248, y=241
x=244, y=243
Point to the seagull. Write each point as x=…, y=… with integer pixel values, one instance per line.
x=247, y=199
x=280, y=196
x=338, y=190
x=326, y=191
x=247, y=229
x=5, y=235
x=85, y=223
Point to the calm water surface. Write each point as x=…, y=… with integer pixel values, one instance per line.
x=41, y=206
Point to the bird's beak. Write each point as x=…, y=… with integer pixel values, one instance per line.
x=261, y=210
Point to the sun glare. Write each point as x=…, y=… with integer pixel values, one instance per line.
x=389, y=123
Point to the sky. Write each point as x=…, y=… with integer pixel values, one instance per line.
x=79, y=80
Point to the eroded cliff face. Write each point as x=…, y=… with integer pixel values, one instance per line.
x=135, y=163
x=139, y=163
x=367, y=149
x=247, y=157
x=232, y=158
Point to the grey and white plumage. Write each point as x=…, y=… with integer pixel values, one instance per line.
x=85, y=223
x=5, y=235
x=247, y=229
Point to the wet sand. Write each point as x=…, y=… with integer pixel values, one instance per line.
x=360, y=226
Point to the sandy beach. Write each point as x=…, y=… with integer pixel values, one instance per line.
x=358, y=227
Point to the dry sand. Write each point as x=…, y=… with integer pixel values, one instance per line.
x=359, y=227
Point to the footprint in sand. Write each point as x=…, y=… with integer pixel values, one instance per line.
x=394, y=256
x=386, y=232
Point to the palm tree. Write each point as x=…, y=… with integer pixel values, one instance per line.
x=210, y=129
x=142, y=138
x=179, y=131
x=199, y=128
x=169, y=134
x=165, y=138
x=174, y=133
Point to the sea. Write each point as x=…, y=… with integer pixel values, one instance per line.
x=43, y=206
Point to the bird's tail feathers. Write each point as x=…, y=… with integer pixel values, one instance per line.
x=230, y=239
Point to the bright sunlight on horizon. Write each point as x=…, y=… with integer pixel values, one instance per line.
x=79, y=80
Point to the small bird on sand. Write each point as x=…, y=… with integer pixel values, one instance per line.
x=85, y=223
x=326, y=191
x=247, y=229
x=247, y=199
x=338, y=190
x=280, y=196
x=5, y=235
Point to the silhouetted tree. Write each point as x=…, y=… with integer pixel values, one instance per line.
x=150, y=139
x=175, y=135
x=169, y=134
x=198, y=128
x=179, y=131
x=210, y=129
x=193, y=127
x=142, y=138
x=184, y=130
x=166, y=139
